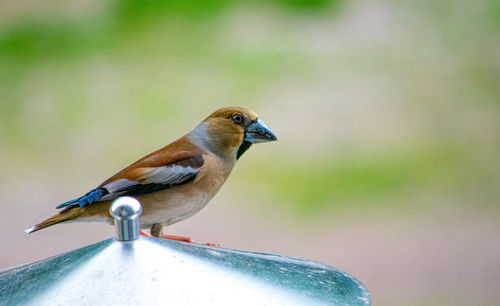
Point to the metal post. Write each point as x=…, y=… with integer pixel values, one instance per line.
x=126, y=211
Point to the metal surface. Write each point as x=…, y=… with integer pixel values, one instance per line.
x=152, y=271
x=125, y=212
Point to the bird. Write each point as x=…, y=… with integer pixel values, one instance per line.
x=176, y=181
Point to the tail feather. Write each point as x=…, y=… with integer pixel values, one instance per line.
x=63, y=216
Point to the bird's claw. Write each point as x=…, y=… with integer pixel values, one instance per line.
x=178, y=238
x=183, y=239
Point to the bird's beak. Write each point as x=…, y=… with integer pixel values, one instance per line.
x=259, y=132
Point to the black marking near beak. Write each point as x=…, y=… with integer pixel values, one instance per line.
x=256, y=132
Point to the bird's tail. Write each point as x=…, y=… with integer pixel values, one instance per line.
x=63, y=216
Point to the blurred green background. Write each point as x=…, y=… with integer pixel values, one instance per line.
x=387, y=114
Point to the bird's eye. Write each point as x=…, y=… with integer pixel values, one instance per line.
x=237, y=118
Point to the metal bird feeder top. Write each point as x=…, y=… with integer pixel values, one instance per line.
x=136, y=270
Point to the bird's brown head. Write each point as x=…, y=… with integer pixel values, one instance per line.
x=232, y=130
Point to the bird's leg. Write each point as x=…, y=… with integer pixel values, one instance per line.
x=157, y=229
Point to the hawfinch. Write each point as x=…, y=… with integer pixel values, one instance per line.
x=174, y=182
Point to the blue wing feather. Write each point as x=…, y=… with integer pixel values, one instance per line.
x=91, y=197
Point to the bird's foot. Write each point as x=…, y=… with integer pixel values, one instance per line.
x=178, y=238
x=182, y=238
x=187, y=239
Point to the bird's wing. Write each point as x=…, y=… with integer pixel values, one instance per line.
x=145, y=176
x=150, y=180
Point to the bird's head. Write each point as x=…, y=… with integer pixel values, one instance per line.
x=230, y=131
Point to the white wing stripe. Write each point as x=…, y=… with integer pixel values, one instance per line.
x=174, y=174
x=168, y=175
x=118, y=185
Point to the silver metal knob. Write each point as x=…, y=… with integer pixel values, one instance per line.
x=126, y=211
